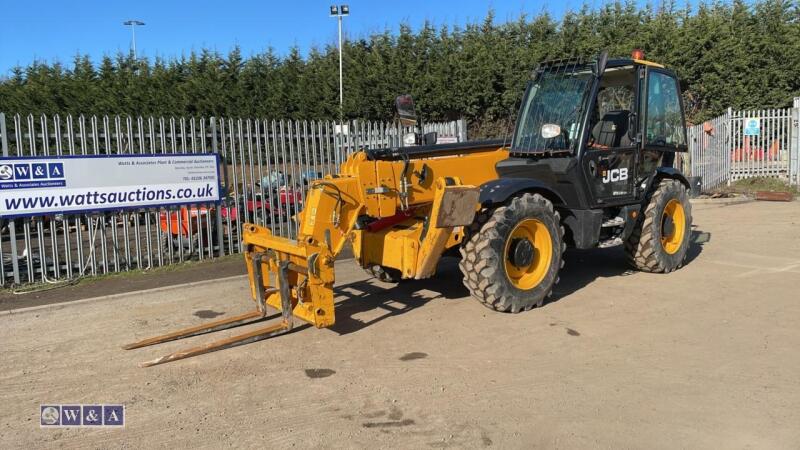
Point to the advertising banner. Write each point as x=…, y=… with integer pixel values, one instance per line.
x=75, y=184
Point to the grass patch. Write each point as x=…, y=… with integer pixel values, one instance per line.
x=750, y=186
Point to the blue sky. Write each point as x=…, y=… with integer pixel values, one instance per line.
x=58, y=29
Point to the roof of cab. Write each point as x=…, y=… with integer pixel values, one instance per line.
x=618, y=62
x=615, y=62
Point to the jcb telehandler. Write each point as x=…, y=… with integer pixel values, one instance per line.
x=590, y=164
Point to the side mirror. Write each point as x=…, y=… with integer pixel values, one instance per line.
x=602, y=62
x=405, y=110
x=550, y=130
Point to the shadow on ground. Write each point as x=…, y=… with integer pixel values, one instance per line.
x=582, y=267
x=395, y=299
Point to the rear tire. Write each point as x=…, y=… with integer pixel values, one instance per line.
x=501, y=274
x=660, y=241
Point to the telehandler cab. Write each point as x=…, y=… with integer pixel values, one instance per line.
x=590, y=164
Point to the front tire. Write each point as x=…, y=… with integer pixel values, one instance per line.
x=511, y=262
x=660, y=241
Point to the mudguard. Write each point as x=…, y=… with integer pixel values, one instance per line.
x=498, y=191
x=667, y=172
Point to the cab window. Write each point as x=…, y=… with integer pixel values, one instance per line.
x=611, y=115
x=664, y=122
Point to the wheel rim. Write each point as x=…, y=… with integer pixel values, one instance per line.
x=529, y=276
x=672, y=238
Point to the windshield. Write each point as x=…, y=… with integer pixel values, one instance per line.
x=550, y=118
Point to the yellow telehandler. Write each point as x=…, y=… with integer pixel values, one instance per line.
x=589, y=165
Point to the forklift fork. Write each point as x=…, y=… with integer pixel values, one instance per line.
x=261, y=292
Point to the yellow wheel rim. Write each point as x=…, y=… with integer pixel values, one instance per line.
x=530, y=275
x=672, y=240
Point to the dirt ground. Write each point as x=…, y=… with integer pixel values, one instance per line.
x=706, y=357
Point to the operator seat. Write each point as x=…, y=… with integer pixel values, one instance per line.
x=612, y=130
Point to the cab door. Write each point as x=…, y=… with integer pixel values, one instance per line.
x=663, y=130
x=610, y=155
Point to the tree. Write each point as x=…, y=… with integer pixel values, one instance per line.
x=733, y=54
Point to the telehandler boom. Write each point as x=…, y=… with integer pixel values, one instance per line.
x=589, y=165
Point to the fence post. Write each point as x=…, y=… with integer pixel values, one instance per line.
x=12, y=226
x=462, y=130
x=215, y=150
x=3, y=134
x=730, y=145
x=794, y=146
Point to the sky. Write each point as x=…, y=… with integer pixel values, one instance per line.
x=57, y=30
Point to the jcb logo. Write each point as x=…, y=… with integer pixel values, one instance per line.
x=616, y=175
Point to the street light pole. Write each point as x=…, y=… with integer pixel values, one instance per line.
x=133, y=24
x=339, y=12
x=341, y=81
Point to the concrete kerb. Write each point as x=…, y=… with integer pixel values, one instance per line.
x=721, y=201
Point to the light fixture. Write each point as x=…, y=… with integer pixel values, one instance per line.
x=133, y=24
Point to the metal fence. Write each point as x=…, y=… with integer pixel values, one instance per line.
x=744, y=144
x=267, y=165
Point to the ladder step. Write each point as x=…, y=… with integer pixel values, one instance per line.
x=611, y=242
x=615, y=222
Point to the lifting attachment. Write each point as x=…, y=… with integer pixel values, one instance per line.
x=285, y=325
x=410, y=230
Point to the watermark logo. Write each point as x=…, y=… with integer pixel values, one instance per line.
x=113, y=415
x=71, y=415
x=50, y=415
x=81, y=416
x=92, y=415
